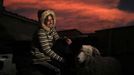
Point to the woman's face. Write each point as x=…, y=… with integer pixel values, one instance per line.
x=49, y=22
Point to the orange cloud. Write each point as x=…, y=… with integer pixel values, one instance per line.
x=86, y=15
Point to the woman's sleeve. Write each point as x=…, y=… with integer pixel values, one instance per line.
x=55, y=34
x=46, y=47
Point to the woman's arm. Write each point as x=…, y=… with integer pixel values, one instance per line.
x=43, y=39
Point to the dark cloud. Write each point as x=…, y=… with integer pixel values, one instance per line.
x=22, y=10
x=104, y=3
x=127, y=5
x=26, y=12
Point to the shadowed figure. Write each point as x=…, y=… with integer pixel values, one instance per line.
x=63, y=49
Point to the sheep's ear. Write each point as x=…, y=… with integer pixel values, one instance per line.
x=96, y=52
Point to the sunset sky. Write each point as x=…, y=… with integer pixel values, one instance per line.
x=85, y=15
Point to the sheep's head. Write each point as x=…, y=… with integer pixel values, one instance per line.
x=86, y=51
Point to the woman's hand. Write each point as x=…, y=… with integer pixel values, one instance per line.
x=69, y=41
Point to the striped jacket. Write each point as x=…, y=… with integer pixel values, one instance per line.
x=42, y=44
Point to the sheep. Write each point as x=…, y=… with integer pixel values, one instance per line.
x=90, y=62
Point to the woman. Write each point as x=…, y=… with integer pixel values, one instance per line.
x=44, y=39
